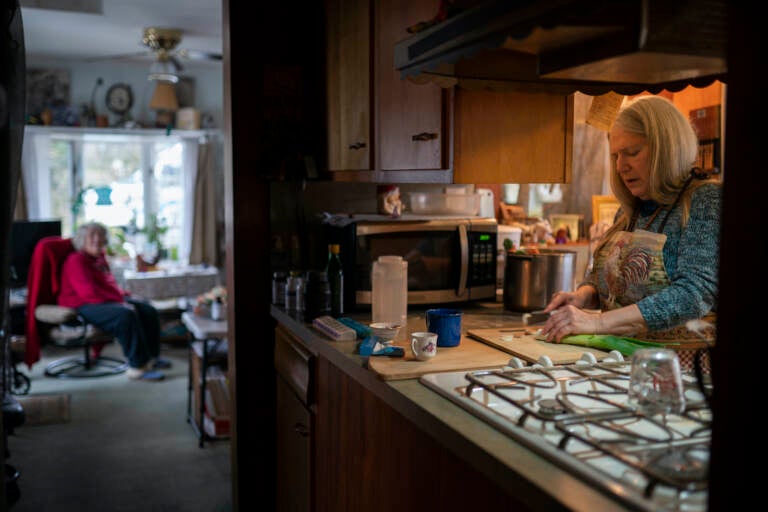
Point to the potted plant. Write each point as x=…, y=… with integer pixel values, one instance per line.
x=150, y=250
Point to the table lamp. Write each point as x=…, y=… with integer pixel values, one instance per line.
x=164, y=101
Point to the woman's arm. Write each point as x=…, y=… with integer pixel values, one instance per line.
x=692, y=292
x=572, y=320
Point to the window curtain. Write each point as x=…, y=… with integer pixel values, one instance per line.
x=189, y=175
x=34, y=171
x=205, y=242
x=20, y=209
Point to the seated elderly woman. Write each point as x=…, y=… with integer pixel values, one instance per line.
x=89, y=286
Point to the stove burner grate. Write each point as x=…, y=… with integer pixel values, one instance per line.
x=586, y=407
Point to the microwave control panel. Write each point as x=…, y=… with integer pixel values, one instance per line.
x=482, y=255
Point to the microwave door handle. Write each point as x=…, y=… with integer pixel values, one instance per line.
x=464, y=243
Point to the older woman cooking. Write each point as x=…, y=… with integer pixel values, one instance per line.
x=656, y=268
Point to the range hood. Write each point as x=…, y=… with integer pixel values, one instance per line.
x=593, y=46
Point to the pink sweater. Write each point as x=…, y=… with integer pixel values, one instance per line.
x=87, y=280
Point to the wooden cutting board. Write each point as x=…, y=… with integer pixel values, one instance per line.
x=468, y=355
x=528, y=348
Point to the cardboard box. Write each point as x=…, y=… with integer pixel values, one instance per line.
x=216, y=384
x=217, y=396
x=217, y=427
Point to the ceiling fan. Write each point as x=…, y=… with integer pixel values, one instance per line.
x=163, y=48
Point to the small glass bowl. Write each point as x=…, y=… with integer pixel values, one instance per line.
x=385, y=331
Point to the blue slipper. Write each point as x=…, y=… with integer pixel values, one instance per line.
x=152, y=376
x=161, y=363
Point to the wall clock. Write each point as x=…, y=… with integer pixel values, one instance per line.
x=119, y=99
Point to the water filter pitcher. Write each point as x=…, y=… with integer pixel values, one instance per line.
x=390, y=290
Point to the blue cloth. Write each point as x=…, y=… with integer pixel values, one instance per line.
x=134, y=323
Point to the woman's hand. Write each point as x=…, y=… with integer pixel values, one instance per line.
x=570, y=319
x=578, y=299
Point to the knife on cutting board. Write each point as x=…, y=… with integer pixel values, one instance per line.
x=535, y=317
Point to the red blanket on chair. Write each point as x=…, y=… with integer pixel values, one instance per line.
x=43, y=283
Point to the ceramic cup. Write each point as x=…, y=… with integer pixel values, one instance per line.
x=446, y=323
x=424, y=345
x=655, y=382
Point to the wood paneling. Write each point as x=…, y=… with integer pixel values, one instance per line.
x=511, y=137
x=283, y=36
x=692, y=98
x=371, y=458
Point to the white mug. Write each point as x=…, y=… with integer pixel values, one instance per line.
x=424, y=345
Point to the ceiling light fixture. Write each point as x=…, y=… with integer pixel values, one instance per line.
x=163, y=41
x=163, y=70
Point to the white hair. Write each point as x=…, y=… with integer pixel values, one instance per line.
x=85, y=229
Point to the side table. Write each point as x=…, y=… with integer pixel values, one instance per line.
x=211, y=335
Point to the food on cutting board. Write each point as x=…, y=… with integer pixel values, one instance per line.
x=627, y=346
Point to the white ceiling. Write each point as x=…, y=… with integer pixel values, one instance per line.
x=118, y=30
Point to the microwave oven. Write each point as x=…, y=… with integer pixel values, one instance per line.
x=449, y=259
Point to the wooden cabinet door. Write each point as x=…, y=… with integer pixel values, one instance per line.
x=294, y=451
x=513, y=137
x=294, y=366
x=409, y=117
x=348, y=84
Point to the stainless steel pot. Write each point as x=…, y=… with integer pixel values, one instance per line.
x=531, y=279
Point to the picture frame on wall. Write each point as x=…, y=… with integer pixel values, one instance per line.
x=571, y=222
x=604, y=209
x=48, y=96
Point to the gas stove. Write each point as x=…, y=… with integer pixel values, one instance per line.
x=578, y=417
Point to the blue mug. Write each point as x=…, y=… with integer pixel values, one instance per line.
x=446, y=323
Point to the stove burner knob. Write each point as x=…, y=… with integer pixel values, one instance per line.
x=551, y=407
x=544, y=361
x=614, y=356
x=516, y=363
x=587, y=358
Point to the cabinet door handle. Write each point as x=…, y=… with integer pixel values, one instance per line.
x=301, y=429
x=424, y=136
x=357, y=145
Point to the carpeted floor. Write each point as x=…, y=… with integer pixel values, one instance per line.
x=110, y=444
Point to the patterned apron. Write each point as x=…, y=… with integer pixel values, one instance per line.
x=630, y=266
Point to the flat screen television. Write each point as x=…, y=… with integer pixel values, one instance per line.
x=24, y=236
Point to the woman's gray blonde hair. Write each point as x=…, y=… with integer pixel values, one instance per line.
x=673, y=150
x=85, y=229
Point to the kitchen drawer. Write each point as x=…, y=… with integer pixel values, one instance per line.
x=295, y=364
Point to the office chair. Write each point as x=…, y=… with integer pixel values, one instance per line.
x=63, y=326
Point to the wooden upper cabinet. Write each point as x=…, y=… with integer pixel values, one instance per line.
x=348, y=84
x=376, y=120
x=513, y=137
x=410, y=118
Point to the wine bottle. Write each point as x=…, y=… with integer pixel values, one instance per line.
x=335, y=274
